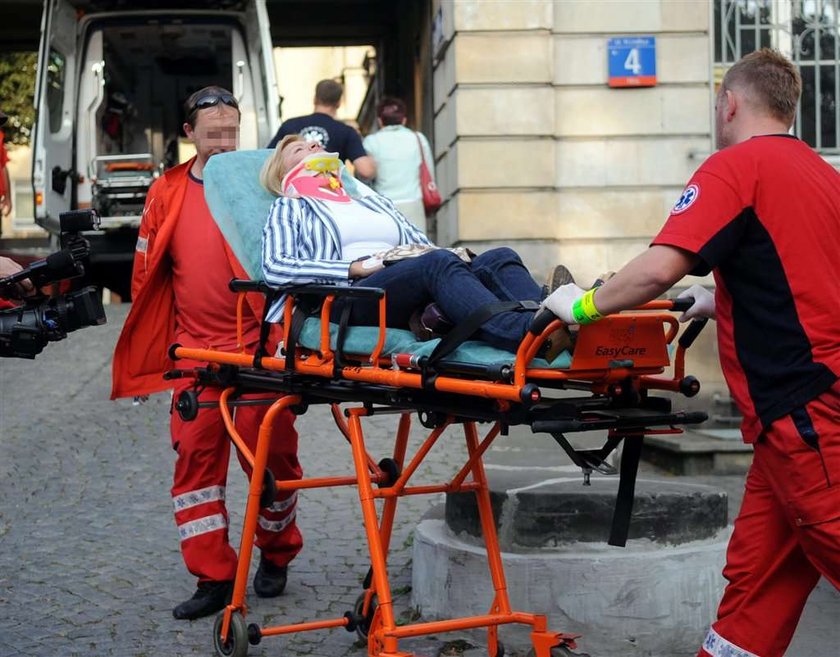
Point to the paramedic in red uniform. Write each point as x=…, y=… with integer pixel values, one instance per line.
x=182, y=268
x=763, y=214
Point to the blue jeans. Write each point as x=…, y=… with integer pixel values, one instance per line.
x=459, y=288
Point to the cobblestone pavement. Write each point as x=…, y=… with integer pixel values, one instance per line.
x=89, y=560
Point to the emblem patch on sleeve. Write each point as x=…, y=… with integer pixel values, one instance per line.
x=686, y=199
x=142, y=244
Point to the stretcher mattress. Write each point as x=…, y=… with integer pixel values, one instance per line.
x=363, y=339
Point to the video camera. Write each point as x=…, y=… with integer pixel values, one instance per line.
x=26, y=329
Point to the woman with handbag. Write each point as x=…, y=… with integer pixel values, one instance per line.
x=404, y=163
x=317, y=232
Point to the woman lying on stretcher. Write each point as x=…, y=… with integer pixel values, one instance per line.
x=317, y=233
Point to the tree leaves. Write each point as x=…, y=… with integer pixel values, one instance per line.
x=17, y=94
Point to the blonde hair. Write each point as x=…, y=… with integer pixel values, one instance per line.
x=771, y=79
x=273, y=171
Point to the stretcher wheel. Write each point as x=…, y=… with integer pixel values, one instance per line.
x=236, y=644
x=187, y=405
x=500, y=649
x=559, y=651
x=363, y=622
x=254, y=634
x=689, y=386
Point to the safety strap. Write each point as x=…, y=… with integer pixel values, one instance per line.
x=265, y=329
x=464, y=330
x=626, y=490
x=299, y=317
x=343, y=323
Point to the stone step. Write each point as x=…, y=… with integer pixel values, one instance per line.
x=699, y=452
x=536, y=509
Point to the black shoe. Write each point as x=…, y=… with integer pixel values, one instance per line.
x=208, y=598
x=270, y=580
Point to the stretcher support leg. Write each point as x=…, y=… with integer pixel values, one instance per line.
x=385, y=610
x=252, y=509
x=488, y=523
x=389, y=508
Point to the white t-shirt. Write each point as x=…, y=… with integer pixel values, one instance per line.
x=363, y=231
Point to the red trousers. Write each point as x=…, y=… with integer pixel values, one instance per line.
x=198, y=491
x=786, y=535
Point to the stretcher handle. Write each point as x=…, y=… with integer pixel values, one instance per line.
x=619, y=422
x=541, y=321
x=682, y=304
x=544, y=317
x=334, y=291
x=243, y=285
x=356, y=292
x=690, y=334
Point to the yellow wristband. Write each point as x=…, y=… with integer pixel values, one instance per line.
x=584, y=310
x=588, y=303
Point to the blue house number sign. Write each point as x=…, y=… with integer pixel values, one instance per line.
x=632, y=61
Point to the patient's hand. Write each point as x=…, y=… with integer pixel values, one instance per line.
x=365, y=267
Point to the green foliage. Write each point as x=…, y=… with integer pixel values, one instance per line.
x=17, y=94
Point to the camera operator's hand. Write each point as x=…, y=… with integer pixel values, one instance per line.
x=9, y=267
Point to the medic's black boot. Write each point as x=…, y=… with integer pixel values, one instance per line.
x=270, y=580
x=208, y=598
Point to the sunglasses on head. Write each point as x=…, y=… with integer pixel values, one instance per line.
x=211, y=100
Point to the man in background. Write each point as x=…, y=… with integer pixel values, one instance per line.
x=322, y=127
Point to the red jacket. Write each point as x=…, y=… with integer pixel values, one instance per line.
x=141, y=356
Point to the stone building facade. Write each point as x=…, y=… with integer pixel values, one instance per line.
x=536, y=151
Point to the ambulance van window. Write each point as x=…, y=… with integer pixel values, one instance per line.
x=55, y=89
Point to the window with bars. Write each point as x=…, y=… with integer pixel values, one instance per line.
x=808, y=32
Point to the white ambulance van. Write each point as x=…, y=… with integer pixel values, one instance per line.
x=112, y=80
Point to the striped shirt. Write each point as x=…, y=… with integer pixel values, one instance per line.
x=302, y=244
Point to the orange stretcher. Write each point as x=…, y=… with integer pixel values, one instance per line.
x=617, y=362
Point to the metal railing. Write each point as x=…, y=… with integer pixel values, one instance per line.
x=808, y=32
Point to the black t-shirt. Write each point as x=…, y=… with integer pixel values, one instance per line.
x=334, y=136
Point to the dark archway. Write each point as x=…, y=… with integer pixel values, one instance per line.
x=399, y=29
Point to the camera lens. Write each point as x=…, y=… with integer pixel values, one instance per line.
x=81, y=308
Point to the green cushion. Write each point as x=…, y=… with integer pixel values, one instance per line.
x=363, y=339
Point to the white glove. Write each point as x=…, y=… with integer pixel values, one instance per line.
x=703, y=306
x=561, y=300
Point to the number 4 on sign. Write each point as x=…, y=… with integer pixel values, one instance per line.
x=633, y=62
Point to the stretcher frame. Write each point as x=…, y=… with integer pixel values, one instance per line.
x=442, y=397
